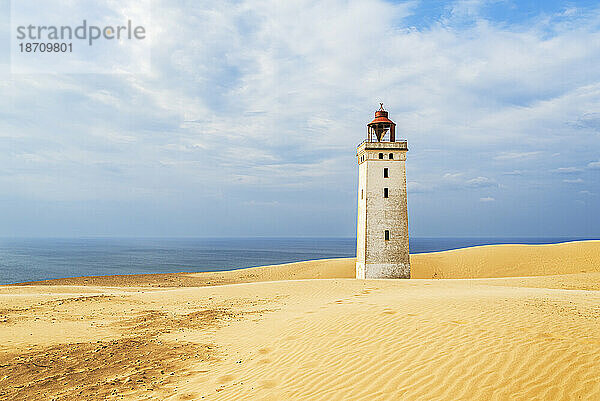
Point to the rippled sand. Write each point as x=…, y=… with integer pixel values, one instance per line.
x=277, y=333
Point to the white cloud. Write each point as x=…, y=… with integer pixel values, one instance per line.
x=455, y=181
x=589, y=121
x=261, y=203
x=567, y=170
x=416, y=187
x=487, y=199
x=452, y=176
x=574, y=181
x=481, y=182
x=276, y=95
x=569, y=11
x=516, y=155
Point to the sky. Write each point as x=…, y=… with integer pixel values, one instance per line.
x=247, y=121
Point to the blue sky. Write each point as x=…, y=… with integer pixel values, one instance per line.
x=247, y=123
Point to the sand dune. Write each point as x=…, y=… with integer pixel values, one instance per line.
x=517, y=338
x=509, y=261
x=312, y=269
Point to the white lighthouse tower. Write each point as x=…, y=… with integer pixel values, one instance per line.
x=382, y=232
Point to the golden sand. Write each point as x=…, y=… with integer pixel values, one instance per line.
x=523, y=323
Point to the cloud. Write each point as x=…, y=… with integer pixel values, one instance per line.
x=567, y=170
x=481, y=182
x=487, y=199
x=261, y=203
x=574, y=181
x=588, y=121
x=456, y=181
x=416, y=187
x=452, y=176
x=246, y=97
x=515, y=155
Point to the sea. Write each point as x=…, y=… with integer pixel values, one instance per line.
x=32, y=259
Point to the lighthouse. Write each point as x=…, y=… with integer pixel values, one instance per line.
x=382, y=230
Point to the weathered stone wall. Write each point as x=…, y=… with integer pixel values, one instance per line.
x=377, y=257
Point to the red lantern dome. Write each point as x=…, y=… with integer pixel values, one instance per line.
x=381, y=126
